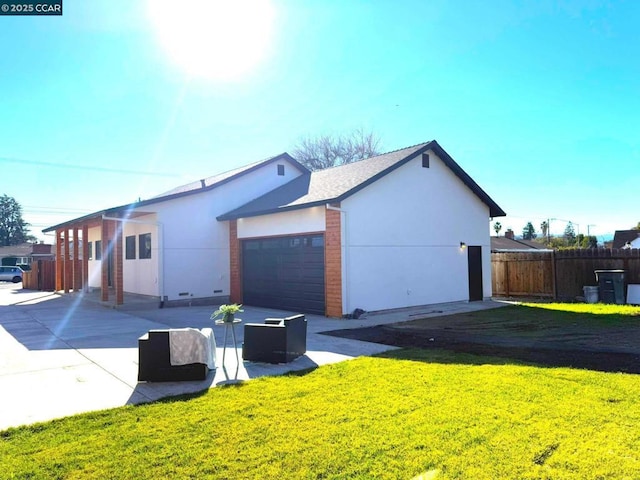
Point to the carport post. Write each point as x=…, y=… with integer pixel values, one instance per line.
x=77, y=268
x=117, y=261
x=68, y=273
x=59, y=265
x=85, y=258
x=104, y=272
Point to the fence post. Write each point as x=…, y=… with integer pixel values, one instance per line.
x=554, y=284
x=506, y=277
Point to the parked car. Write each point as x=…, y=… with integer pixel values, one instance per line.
x=11, y=274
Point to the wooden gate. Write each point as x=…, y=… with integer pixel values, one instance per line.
x=41, y=277
x=523, y=274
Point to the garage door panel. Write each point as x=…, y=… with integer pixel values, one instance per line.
x=285, y=273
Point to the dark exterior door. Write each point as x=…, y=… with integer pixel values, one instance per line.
x=286, y=273
x=475, y=273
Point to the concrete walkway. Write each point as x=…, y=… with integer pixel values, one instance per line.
x=66, y=354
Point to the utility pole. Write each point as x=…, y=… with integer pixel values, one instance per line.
x=588, y=232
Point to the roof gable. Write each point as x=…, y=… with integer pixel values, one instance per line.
x=338, y=183
x=621, y=237
x=225, y=177
x=192, y=188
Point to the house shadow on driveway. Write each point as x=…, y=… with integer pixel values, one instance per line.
x=50, y=321
x=65, y=354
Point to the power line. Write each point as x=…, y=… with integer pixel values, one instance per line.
x=44, y=207
x=85, y=167
x=53, y=212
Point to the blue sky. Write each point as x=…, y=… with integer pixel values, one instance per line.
x=538, y=101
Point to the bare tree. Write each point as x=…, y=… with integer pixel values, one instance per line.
x=324, y=151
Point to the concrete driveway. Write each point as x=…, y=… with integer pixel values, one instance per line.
x=65, y=354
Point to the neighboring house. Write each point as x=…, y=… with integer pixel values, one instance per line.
x=509, y=243
x=406, y=228
x=25, y=253
x=626, y=239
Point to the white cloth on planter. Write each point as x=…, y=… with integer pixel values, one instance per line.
x=190, y=345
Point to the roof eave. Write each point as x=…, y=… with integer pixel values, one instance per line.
x=131, y=206
x=494, y=208
x=269, y=211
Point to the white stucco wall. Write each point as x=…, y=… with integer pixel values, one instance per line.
x=308, y=220
x=194, y=256
x=94, y=265
x=402, y=237
x=142, y=275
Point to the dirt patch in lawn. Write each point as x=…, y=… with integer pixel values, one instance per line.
x=550, y=339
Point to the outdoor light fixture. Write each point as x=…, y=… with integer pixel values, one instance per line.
x=463, y=245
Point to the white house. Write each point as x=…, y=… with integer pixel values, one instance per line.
x=405, y=228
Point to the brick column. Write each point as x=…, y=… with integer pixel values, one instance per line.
x=77, y=265
x=235, y=278
x=85, y=258
x=68, y=269
x=104, y=277
x=59, y=264
x=117, y=263
x=333, y=263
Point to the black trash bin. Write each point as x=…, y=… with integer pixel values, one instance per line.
x=611, y=283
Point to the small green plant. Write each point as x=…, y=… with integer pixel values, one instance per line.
x=227, y=312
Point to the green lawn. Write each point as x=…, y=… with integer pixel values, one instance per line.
x=602, y=311
x=397, y=416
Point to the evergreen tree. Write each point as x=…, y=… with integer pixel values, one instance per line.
x=13, y=229
x=569, y=235
x=529, y=232
x=587, y=241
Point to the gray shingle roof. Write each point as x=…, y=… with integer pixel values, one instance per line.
x=621, y=237
x=504, y=243
x=309, y=189
x=184, y=190
x=219, y=178
x=337, y=183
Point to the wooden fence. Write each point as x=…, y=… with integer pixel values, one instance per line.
x=558, y=274
x=41, y=277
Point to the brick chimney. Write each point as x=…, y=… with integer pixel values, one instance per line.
x=41, y=248
x=509, y=234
